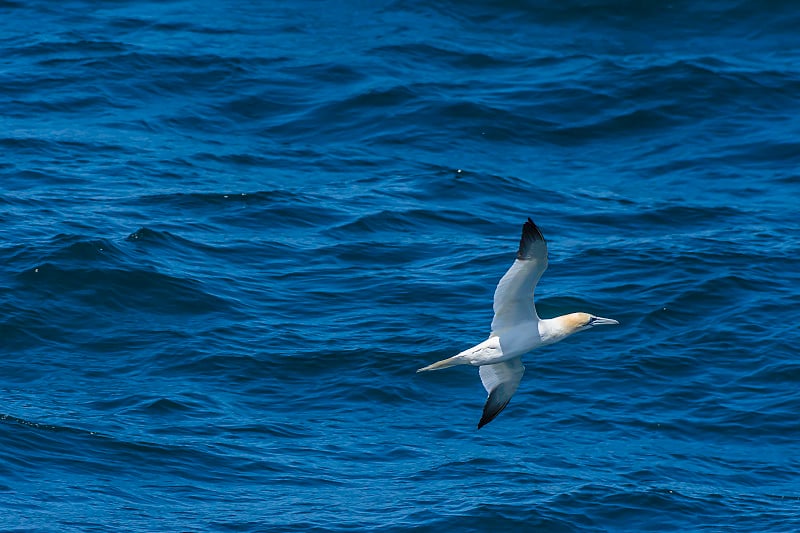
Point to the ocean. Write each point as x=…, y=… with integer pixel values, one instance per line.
x=231, y=232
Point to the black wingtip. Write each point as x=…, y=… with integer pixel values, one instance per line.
x=486, y=419
x=530, y=229
x=491, y=410
x=530, y=234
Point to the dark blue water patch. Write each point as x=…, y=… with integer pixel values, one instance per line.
x=208, y=211
x=406, y=221
x=118, y=288
x=271, y=106
x=427, y=56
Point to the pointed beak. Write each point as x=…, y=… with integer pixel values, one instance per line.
x=598, y=321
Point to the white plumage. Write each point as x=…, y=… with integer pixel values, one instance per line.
x=516, y=327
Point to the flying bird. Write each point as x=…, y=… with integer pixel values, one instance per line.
x=516, y=327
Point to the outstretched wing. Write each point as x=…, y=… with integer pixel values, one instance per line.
x=513, y=298
x=501, y=381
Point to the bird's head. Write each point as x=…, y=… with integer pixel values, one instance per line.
x=576, y=322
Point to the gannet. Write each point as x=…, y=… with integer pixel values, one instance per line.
x=516, y=327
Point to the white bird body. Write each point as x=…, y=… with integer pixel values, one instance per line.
x=516, y=327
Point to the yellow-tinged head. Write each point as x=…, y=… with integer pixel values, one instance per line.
x=575, y=322
x=558, y=328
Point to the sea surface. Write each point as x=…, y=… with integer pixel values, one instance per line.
x=230, y=232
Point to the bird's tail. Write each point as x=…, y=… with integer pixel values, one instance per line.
x=444, y=363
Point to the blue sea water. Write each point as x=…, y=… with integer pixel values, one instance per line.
x=231, y=232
